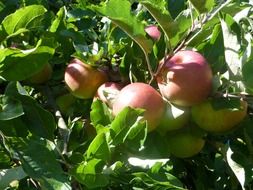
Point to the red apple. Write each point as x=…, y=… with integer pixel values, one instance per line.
x=42, y=76
x=153, y=32
x=82, y=79
x=141, y=95
x=185, y=79
x=108, y=91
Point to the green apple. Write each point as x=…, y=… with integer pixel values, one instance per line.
x=218, y=120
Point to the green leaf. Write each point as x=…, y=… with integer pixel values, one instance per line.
x=11, y=108
x=29, y=17
x=232, y=46
x=203, y=6
x=247, y=71
x=18, y=65
x=99, y=148
x=38, y=120
x=125, y=123
x=100, y=114
x=91, y=174
x=9, y=175
x=120, y=14
x=39, y=161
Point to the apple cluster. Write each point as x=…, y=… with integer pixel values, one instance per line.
x=184, y=84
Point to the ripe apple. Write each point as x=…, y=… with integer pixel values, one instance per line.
x=185, y=79
x=42, y=76
x=153, y=32
x=174, y=118
x=185, y=143
x=218, y=120
x=82, y=79
x=108, y=91
x=141, y=95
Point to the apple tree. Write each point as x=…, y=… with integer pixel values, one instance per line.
x=126, y=94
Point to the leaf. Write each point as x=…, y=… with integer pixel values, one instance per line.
x=29, y=17
x=232, y=46
x=99, y=148
x=38, y=120
x=203, y=6
x=90, y=174
x=11, y=108
x=100, y=114
x=120, y=14
x=18, y=65
x=122, y=124
x=39, y=161
x=247, y=71
x=9, y=175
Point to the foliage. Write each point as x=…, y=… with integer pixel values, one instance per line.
x=89, y=148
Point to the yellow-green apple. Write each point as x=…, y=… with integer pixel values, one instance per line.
x=218, y=120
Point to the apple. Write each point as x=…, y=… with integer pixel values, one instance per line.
x=141, y=95
x=185, y=79
x=64, y=102
x=174, y=118
x=218, y=120
x=42, y=76
x=185, y=143
x=108, y=91
x=153, y=32
x=82, y=79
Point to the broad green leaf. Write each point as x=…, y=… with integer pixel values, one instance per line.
x=232, y=46
x=11, y=108
x=57, y=22
x=30, y=17
x=99, y=148
x=39, y=161
x=120, y=14
x=91, y=174
x=38, y=120
x=203, y=6
x=100, y=114
x=9, y=175
x=19, y=65
x=14, y=128
x=124, y=122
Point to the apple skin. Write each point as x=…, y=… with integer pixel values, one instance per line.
x=108, y=91
x=153, y=32
x=217, y=121
x=174, y=118
x=185, y=144
x=141, y=95
x=42, y=76
x=82, y=79
x=185, y=79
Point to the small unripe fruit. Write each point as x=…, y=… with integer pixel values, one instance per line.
x=185, y=79
x=82, y=79
x=141, y=95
